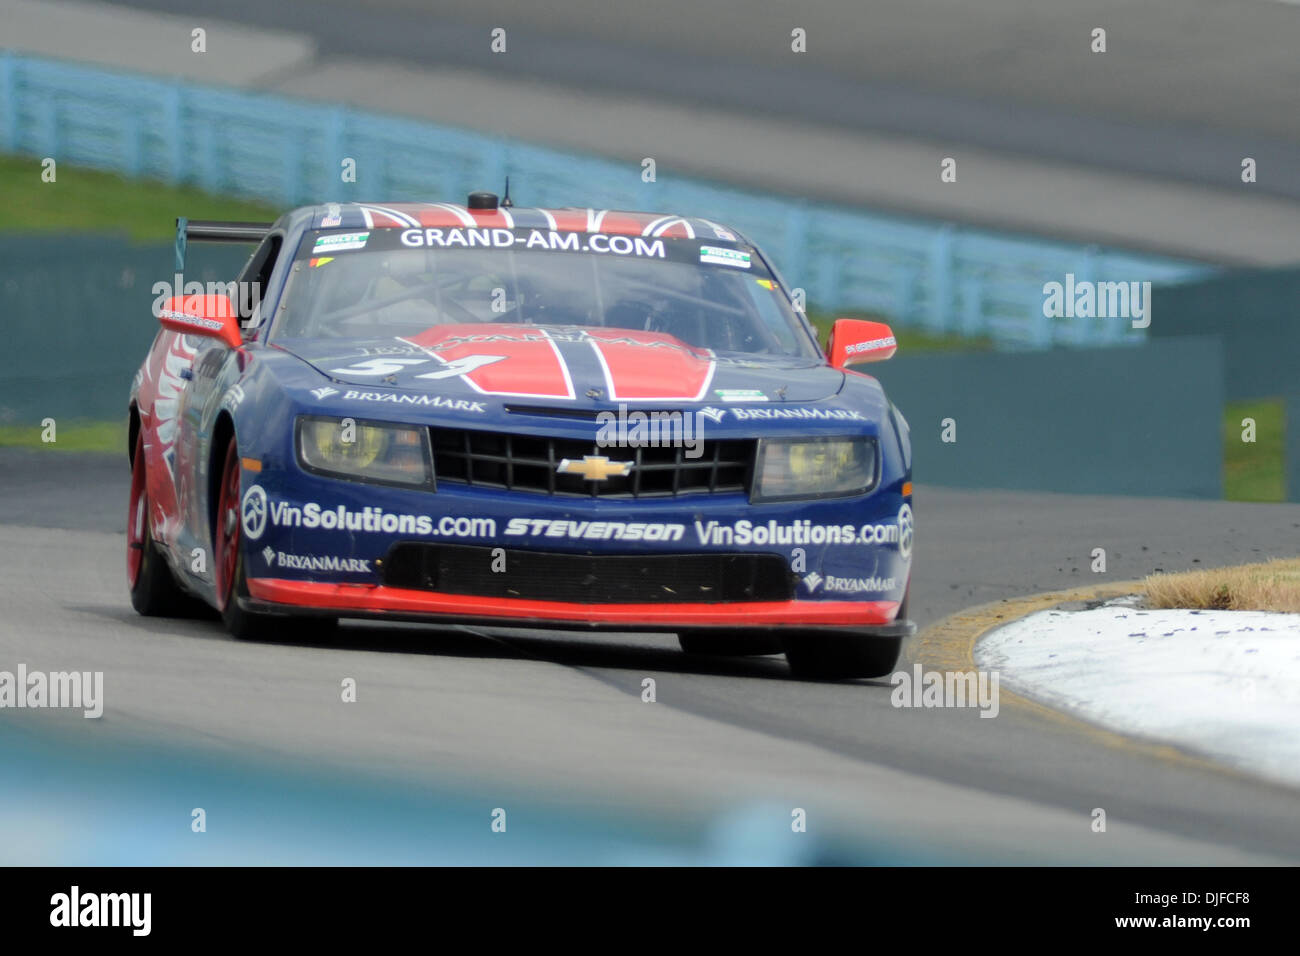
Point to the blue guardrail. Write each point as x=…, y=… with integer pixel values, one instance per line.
x=924, y=274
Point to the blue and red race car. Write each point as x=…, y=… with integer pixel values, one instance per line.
x=484, y=414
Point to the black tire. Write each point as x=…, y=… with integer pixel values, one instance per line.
x=244, y=625
x=232, y=583
x=820, y=655
x=729, y=643
x=251, y=626
x=154, y=591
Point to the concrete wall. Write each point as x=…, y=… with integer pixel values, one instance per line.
x=1257, y=312
x=77, y=320
x=1131, y=421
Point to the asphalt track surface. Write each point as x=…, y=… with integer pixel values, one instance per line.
x=1186, y=89
x=1140, y=147
x=560, y=714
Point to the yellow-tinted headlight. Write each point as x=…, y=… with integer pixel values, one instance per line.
x=369, y=451
x=814, y=467
x=336, y=446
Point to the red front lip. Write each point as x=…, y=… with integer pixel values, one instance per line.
x=372, y=599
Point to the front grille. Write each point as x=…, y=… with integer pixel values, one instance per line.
x=599, y=579
x=527, y=463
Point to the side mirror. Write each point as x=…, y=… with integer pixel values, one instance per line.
x=858, y=340
x=210, y=315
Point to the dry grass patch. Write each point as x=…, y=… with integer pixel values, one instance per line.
x=1271, y=586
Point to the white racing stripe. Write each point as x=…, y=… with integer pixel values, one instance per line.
x=393, y=213
x=661, y=225
x=458, y=211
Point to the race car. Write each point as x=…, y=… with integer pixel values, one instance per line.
x=490, y=415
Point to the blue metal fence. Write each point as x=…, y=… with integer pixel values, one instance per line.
x=932, y=275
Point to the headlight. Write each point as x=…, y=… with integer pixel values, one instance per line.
x=365, y=451
x=814, y=468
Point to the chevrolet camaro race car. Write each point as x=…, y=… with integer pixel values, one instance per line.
x=492, y=415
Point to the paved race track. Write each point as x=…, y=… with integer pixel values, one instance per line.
x=1185, y=89
x=561, y=715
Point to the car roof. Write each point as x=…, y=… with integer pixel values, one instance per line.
x=406, y=215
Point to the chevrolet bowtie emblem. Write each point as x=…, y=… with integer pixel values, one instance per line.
x=594, y=467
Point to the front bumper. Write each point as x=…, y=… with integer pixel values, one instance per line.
x=282, y=596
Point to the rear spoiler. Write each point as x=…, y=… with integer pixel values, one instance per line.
x=212, y=230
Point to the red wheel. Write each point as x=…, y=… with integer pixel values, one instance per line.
x=154, y=591
x=228, y=526
x=231, y=583
x=137, y=516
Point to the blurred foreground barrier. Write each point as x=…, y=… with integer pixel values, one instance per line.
x=1139, y=421
x=66, y=802
x=917, y=272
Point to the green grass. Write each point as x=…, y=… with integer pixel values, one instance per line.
x=69, y=436
x=84, y=200
x=1255, y=471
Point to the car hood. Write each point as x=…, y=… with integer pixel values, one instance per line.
x=555, y=365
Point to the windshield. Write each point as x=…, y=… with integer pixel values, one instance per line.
x=390, y=282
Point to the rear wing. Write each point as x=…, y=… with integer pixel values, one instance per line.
x=212, y=230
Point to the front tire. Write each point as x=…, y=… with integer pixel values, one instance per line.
x=231, y=579
x=728, y=643
x=821, y=655
x=241, y=624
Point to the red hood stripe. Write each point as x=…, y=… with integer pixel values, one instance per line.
x=649, y=367
x=525, y=367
